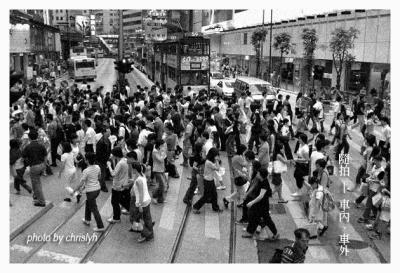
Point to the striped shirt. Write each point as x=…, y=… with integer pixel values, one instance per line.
x=90, y=177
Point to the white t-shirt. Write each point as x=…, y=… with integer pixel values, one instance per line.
x=68, y=158
x=241, y=103
x=386, y=133
x=90, y=136
x=314, y=157
x=146, y=195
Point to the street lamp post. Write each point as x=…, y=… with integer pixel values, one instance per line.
x=261, y=45
x=270, y=50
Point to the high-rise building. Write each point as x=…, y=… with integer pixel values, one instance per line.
x=107, y=22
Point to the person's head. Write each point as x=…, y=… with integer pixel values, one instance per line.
x=212, y=154
x=131, y=157
x=280, y=97
x=90, y=158
x=205, y=135
x=117, y=152
x=25, y=126
x=303, y=139
x=249, y=155
x=370, y=140
x=66, y=147
x=241, y=149
x=320, y=164
x=33, y=135
x=14, y=143
x=378, y=161
x=88, y=123
x=138, y=169
x=302, y=237
x=319, y=145
x=285, y=121
x=263, y=138
x=158, y=144
x=385, y=121
x=278, y=147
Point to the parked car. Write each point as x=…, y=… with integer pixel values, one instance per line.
x=225, y=88
x=257, y=88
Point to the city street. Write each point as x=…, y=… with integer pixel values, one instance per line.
x=184, y=237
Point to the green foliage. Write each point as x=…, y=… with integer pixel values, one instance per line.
x=257, y=37
x=310, y=40
x=282, y=43
x=342, y=41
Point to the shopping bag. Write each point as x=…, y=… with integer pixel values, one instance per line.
x=279, y=167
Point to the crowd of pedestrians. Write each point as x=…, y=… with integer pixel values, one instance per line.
x=133, y=137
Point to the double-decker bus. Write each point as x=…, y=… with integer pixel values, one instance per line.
x=82, y=68
x=184, y=62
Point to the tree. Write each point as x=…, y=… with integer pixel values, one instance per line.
x=310, y=40
x=283, y=44
x=342, y=41
x=257, y=38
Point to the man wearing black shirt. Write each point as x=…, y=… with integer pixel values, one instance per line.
x=103, y=151
x=35, y=155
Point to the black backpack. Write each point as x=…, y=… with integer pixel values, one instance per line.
x=277, y=257
x=127, y=136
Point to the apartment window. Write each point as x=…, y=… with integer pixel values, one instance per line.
x=56, y=10
x=61, y=18
x=245, y=38
x=57, y=18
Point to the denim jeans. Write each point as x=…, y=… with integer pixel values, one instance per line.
x=20, y=181
x=342, y=145
x=159, y=191
x=147, y=231
x=119, y=198
x=36, y=171
x=91, y=208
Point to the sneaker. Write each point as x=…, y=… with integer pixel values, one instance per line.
x=226, y=202
x=142, y=239
x=78, y=198
x=39, y=204
x=282, y=201
x=247, y=235
x=124, y=211
x=242, y=222
x=96, y=229
x=221, y=188
x=104, y=189
x=369, y=226
x=18, y=192
x=295, y=194
x=113, y=221
x=67, y=199
x=196, y=191
x=85, y=222
x=362, y=220
x=195, y=211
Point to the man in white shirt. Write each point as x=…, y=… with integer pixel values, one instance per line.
x=318, y=154
x=385, y=143
x=90, y=137
x=241, y=101
x=207, y=145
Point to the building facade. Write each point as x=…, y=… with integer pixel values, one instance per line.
x=35, y=47
x=371, y=68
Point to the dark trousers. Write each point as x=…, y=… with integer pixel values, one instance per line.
x=103, y=169
x=20, y=181
x=254, y=137
x=288, y=151
x=222, y=138
x=342, y=145
x=256, y=213
x=210, y=196
x=369, y=206
x=159, y=192
x=91, y=208
x=192, y=187
x=54, y=142
x=119, y=198
x=301, y=170
x=245, y=216
x=360, y=175
x=147, y=231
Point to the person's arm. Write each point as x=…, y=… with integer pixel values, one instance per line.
x=257, y=199
x=281, y=158
x=324, y=180
x=139, y=203
x=82, y=181
x=115, y=171
x=272, y=145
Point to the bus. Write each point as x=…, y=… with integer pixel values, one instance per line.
x=184, y=61
x=78, y=51
x=82, y=68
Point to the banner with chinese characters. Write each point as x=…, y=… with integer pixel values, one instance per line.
x=19, y=38
x=194, y=63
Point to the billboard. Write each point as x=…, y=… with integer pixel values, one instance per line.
x=82, y=24
x=19, y=38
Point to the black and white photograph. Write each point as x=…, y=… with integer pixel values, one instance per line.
x=199, y=136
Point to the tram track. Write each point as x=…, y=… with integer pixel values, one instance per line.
x=35, y=250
